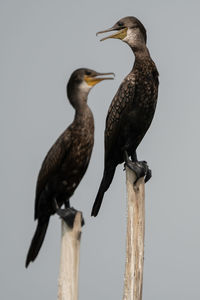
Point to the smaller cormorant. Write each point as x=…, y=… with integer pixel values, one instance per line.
x=132, y=109
x=66, y=162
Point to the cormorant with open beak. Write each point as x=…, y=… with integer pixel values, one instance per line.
x=132, y=109
x=66, y=162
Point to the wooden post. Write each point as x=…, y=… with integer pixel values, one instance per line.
x=69, y=260
x=135, y=238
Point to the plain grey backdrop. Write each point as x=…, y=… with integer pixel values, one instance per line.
x=42, y=42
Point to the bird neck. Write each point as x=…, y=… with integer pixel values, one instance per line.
x=141, y=51
x=143, y=59
x=81, y=108
x=78, y=100
x=80, y=111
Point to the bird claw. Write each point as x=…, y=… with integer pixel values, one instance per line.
x=68, y=215
x=141, y=169
x=148, y=175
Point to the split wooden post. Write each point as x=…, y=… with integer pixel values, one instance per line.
x=69, y=260
x=135, y=237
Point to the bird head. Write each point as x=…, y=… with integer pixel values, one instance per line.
x=82, y=80
x=128, y=29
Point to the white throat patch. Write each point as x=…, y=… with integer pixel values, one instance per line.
x=131, y=37
x=84, y=87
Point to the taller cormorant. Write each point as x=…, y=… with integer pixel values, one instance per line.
x=132, y=109
x=67, y=160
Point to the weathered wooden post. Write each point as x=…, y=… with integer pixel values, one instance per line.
x=69, y=260
x=135, y=237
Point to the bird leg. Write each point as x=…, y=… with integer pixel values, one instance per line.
x=68, y=213
x=149, y=173
x=140, y=168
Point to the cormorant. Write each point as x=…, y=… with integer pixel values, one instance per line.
x=132, y=108
x=67, y=160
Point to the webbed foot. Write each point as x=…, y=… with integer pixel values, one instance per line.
x=140, y=168
x=68, y=215
x=148, y=175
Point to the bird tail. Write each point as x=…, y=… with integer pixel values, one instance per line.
x=37, y=240
x=105, y=183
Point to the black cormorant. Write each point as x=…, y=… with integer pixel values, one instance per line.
x=67, y=160
x=132, y=109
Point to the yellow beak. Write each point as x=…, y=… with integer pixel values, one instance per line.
x=121, y=34
x=92, y=80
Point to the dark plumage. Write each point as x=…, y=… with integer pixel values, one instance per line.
x=66, y=162
x=132, y=109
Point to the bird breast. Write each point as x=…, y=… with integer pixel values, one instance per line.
x=77, y=160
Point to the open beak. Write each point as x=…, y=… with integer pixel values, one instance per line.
x=98, y=77
x=121, y=33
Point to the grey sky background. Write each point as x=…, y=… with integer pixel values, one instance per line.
x=42, y=42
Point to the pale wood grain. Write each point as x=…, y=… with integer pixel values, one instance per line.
x=133, y=280
x=69, y=260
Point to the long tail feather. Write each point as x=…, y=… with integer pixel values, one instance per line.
x=37, y=241
x=105, y=183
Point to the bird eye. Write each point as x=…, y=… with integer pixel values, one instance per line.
x=88, y=73
x=120, y=23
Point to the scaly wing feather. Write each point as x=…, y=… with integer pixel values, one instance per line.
x=119, y=105
x=52, y=162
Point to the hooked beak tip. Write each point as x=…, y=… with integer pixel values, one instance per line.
x=106, y=74
x=103, y=39
x=111, y=73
